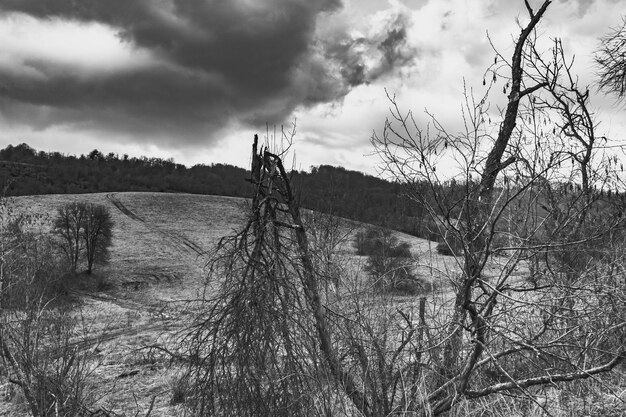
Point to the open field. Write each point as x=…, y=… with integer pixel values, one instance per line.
x=159, y=250
x=161, y=243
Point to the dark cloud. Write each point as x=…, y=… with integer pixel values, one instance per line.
x=366, y=59
x=246, y=60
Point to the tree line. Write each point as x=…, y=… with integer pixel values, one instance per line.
x=36, y=172
x=329, y=189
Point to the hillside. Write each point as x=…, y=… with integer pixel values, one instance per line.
x=145, y=296
x=134, y=311
x=161, y=242
x=333, y=190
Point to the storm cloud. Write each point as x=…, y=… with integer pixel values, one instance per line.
x=196, y=65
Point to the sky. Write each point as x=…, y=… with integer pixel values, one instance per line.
x=194, y=80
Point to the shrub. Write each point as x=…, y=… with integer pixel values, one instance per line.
x=450, y=246
x=377, y=241
x=180, y=389
x=38, y=347
x=58, y=384
x=31, y=264
x=444, y=249
x=389, y=262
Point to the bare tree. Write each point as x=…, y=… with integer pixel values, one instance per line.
x=67, y=224
x=84, y=229
x=38, y=341
x=268, y=341
x=254, y=355
x=97, y=232
x=611, y=60
x=531, y=182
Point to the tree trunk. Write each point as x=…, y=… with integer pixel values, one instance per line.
x=477, y=211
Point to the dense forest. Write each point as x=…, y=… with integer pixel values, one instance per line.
x=335, y=190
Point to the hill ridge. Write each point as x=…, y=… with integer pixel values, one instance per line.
x=334, y=190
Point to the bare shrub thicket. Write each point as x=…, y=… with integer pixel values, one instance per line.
x=532, y=301
x=39, y=349
x=389, y=261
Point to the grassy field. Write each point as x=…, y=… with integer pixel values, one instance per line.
x=160, y=246
x=161, y=243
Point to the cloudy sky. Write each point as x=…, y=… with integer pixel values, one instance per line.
x=194, y=79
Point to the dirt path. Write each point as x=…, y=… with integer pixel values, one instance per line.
x=180, y=242
x=90, y=342
x=125, y=303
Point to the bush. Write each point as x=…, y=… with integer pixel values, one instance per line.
x=59, y=371
x=451, y=246
x=444, y=249
x=377, y=241
x=389, y=262
x=32, y=269
x=42, y=358
x=38, y=347
x=406, y=286
x=180, y=389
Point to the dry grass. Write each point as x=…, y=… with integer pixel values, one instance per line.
x=156, y=264
x=160, y=247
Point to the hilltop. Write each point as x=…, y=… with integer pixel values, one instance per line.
x=328, y=189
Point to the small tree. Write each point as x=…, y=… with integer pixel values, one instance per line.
x=67, y=226
x=97, y=231
x=84, y=228
x=38, y=340
x=389, y=261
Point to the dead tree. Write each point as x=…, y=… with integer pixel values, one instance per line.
x=508, y=170
x=266, y=342
x=611, y=61
x=264, y=346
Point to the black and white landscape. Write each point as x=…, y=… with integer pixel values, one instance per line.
x=241, y=208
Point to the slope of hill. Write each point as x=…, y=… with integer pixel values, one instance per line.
x=161, y=242
x=328, y=189
x=160, y=246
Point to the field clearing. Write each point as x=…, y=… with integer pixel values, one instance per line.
x=157, y=258
x=161, y=243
